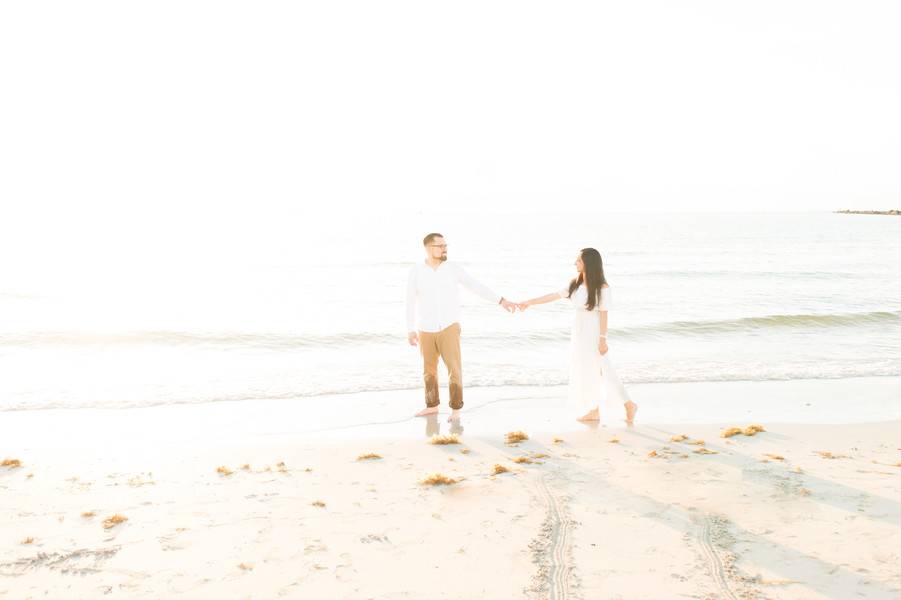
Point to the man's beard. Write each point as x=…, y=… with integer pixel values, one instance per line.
x=443, y=257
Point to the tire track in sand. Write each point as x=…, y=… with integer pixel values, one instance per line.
x=712, y=558
x=555, y=564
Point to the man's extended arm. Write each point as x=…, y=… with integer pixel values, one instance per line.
x=483, y=290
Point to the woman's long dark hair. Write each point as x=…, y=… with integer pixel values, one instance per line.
x=592, y=275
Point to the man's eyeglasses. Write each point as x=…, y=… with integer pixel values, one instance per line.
x=438, y=246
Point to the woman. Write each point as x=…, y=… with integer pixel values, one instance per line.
x=590, y=372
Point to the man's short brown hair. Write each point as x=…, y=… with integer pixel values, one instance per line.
x=430, y=238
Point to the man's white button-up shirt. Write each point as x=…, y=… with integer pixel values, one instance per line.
x=437, y=295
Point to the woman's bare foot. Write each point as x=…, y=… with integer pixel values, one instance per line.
x=454, y=416
x=429, y=410
x=631, y=409
x=590, y=416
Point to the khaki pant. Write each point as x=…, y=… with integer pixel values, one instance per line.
x=446, y=344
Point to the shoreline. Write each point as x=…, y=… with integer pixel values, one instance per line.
x=487, y=411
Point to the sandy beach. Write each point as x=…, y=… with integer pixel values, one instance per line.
x=243, y=244
x=235, y=508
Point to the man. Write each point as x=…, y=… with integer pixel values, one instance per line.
x=433, y=285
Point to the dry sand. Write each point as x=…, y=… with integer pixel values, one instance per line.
x=766, y=516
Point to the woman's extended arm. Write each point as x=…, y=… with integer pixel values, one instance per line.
x=540, y=300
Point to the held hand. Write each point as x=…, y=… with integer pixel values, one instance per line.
x=508, y=306
x=413, y=338
x=602, y=346
x=522, y=306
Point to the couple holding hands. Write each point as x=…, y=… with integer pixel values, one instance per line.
x=433, y=322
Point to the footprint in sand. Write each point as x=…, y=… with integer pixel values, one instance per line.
x=374, y=538
x=171, y=542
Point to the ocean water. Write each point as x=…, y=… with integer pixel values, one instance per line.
x=697, y=297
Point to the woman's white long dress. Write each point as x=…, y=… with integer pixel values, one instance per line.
x=593, y=382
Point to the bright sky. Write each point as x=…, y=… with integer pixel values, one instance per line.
x=125, y=121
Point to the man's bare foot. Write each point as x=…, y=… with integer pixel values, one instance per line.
x=454, y=416
x=631, y=409
x=429, y=410
x=590, y=416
